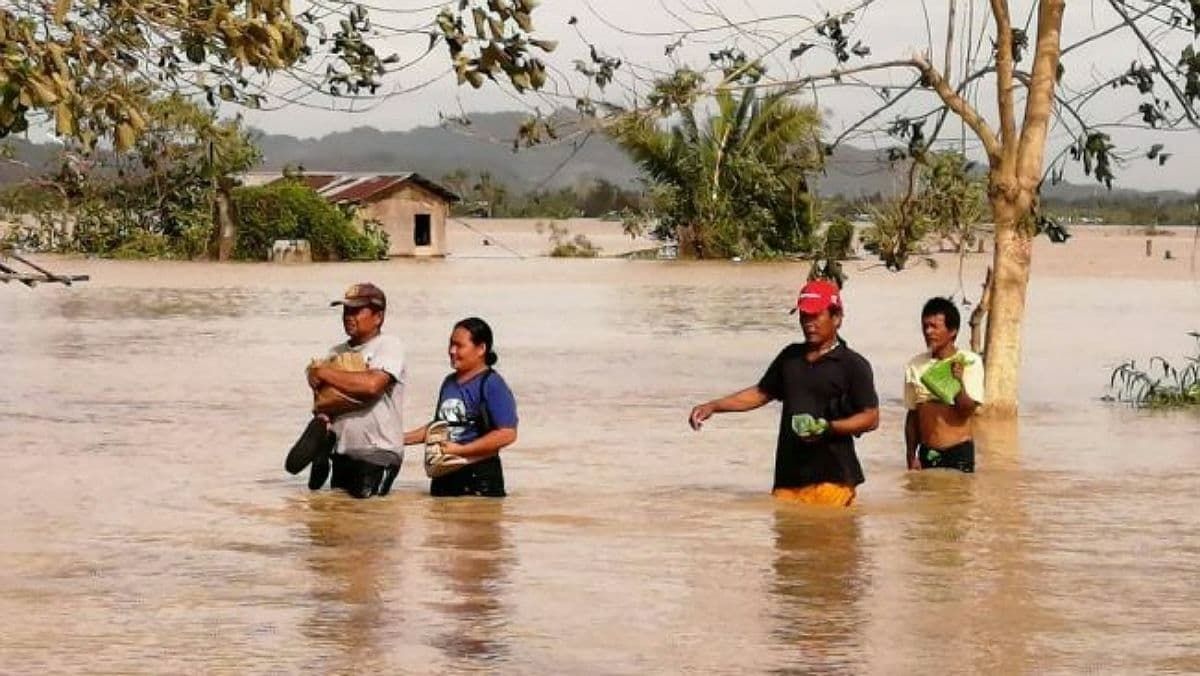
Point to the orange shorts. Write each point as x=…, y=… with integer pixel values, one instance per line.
x=833, y=495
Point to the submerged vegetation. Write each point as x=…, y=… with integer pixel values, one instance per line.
x=730, y=184
x=1161, y=384
x=155, y=200
x=289, y=209
x=562, y=245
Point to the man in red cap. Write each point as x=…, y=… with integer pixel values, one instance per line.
x=828, y=396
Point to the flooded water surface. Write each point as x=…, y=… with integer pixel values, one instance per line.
x=149, y=526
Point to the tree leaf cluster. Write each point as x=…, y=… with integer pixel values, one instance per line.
x=734, y=184
x=494, y=39
x=94, y=67
x=600, y=69
x=834, y=30
x=947, y=203
x=1095, y=150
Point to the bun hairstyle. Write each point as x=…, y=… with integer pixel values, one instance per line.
x=481, y=334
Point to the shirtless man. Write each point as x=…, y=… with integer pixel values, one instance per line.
x=938, y=434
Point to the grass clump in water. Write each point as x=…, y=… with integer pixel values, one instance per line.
x=564, y=246
x=1161, y=384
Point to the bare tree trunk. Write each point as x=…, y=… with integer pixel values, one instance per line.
x=687, y=242
x=1013, y=190
x=979, y=314
x=224, y=227
x=1010, y=280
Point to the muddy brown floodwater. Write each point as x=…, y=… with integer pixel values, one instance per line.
x=149, y=526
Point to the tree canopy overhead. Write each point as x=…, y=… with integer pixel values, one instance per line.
x=93, y=66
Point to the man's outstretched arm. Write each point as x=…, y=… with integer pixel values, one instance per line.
x=744, y=400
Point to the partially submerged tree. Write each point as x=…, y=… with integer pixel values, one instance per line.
x=942, y=203
x=156, y=199
x=954, y=200
x=1040, y=94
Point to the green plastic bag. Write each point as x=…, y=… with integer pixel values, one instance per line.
x=804, y=425
x=941, y=382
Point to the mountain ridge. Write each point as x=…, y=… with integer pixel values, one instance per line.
x=485, y=144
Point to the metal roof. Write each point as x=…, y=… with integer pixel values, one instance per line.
x=346, y=187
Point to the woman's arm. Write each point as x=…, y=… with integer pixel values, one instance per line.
x=416, y=435
x=487, y=445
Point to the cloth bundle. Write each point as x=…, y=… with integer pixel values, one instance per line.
x=437, y=461
x=327, y=395
x=941, y=381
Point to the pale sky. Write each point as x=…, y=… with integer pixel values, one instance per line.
x=892, y=28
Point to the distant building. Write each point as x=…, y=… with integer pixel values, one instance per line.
x=410, y=208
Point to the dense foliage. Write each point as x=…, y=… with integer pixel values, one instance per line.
x=154, y=200
x=946, y=203
x=291, y=210
x=736, y=185
x=95, y=68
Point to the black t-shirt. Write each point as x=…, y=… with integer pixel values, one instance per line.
x=837, y=385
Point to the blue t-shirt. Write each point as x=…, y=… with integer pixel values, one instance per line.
x=458, y=405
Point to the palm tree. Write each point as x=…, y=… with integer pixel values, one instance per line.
x=738, y=186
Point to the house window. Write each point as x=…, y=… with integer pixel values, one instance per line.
x=422, y=231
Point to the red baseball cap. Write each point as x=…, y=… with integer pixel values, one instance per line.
x=817, y=295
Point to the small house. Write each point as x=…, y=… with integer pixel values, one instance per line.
x=410, y=208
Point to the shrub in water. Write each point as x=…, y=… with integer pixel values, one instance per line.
x=292, y=210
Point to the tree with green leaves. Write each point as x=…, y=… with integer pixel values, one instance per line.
x=1025, y=88
x=155, y=199
x=94, y=68
x=954, y=200
x=97, y=71
x=734, y=185
x=289, y=209
x=944, y=201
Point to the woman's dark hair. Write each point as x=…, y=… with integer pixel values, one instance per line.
x=481, y=334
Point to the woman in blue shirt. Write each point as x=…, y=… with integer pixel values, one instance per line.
x=479, y=410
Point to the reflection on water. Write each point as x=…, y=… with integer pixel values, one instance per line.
x=471, y=564
x=352, y=547
x=944, y=527
x=144, y=418
x=821, y=579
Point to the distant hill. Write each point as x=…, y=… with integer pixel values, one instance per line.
x=486, y=145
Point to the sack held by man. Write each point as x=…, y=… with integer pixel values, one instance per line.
x=327, y=396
